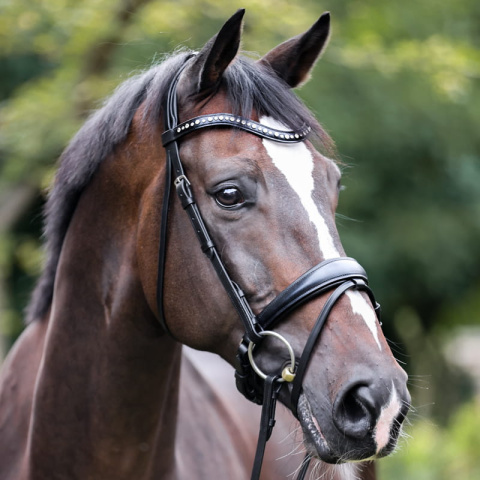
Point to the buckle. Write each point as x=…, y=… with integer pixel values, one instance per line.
x=180, y=179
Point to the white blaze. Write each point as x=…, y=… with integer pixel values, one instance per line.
x=386, y=419
x=361, y=307
x=295, y=161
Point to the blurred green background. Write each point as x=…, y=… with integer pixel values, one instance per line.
x=398, y=89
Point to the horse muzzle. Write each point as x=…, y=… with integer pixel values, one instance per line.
x=363, y=422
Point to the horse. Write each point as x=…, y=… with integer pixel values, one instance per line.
x=110, y=379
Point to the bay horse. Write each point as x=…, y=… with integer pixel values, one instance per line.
x=98, y=386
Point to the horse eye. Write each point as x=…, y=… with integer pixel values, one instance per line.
x=229, y=197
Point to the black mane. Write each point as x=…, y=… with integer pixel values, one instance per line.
x=249, y=86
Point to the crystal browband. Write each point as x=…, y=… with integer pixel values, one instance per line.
x=229, y=120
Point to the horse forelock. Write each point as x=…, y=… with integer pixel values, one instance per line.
x=250, y=87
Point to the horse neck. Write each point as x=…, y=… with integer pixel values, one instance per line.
x=107, y=390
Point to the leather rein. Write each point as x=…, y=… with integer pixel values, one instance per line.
x=337, y=275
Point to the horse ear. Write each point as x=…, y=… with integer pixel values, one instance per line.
x=210, y=63
x=293, y=60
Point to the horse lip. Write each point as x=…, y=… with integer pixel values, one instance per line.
x=312, y=433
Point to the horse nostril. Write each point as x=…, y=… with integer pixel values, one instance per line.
x=355, y=411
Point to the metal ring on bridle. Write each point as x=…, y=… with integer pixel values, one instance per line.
x=288, y=373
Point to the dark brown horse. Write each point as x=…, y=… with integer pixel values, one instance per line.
x=97, y=388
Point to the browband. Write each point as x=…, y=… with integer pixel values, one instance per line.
x=229, y=120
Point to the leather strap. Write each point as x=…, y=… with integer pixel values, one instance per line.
x=248, y=383
x=312, y=340
x=162, y=244
x=267, y=421
x=170, y=117
x=236, y=295
x=304, y=467
x=323, y=277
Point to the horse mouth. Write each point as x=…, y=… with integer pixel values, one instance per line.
x=314, y=440
x=318, y=447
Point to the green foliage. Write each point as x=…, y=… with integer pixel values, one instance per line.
x=435, y=453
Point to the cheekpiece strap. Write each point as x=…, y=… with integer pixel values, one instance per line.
x=235, y=121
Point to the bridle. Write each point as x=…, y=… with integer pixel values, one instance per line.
x=338, y=274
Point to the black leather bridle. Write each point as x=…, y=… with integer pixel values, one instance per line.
x=337, y=275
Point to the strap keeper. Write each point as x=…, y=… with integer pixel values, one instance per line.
x=207, y=247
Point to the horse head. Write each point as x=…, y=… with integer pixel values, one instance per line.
x=269, y=208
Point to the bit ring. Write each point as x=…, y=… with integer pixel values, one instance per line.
x=288, y=373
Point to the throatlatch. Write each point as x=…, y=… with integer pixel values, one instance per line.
x=337, y=275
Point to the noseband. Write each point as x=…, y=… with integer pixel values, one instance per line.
x=337, y=275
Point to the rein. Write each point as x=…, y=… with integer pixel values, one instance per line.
x=338, y=274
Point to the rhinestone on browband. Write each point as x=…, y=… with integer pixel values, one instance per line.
x=229, y=120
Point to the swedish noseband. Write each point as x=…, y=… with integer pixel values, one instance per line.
x=337, y=275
